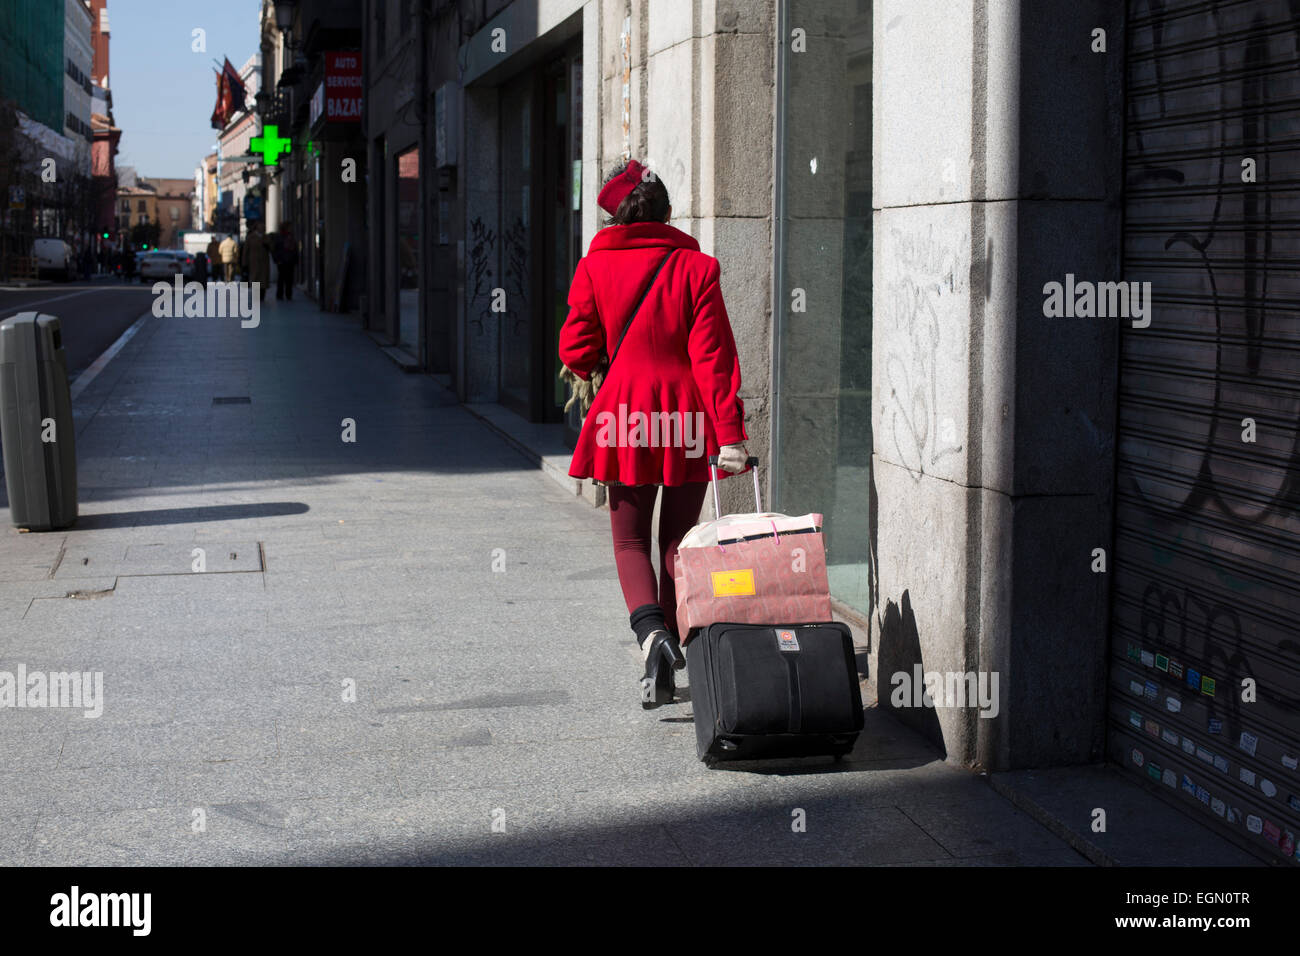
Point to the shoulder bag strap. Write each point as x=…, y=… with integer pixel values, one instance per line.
x=639, y=302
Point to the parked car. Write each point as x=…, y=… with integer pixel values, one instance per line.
x=54, y=256
x=164, y=264
x=183, y=259
x=158, y=265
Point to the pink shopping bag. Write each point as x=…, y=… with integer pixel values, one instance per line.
x=727, y=572
x=780, y=579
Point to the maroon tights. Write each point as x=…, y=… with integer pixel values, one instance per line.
x=631, y=508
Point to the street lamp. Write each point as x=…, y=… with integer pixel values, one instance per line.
x=284, y=10
x=284, y=14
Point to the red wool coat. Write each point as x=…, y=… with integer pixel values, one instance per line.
x=679, y=357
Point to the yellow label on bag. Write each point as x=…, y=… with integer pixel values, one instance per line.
x=733, y=583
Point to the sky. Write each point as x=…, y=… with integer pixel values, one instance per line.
x=163, y=91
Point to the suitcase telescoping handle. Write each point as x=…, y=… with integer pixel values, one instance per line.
x=752, y=462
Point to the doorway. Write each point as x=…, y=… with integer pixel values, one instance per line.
x=540, y=231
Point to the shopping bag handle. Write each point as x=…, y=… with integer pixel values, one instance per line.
x=752, y=462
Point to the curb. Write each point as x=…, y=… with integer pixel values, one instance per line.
x=83, y=380
x=1093, y=853
x=555, y=466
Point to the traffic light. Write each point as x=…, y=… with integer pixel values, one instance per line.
x=144, y=246
x=104, y=235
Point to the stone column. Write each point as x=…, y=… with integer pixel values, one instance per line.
x=994, y=426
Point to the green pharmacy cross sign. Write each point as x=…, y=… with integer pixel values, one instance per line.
x=270, y=144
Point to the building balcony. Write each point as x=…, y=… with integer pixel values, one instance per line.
x=329, y=25
x=278, y=108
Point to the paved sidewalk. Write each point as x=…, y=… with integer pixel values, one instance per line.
x=480, y=694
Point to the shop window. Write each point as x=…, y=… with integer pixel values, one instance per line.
x=823, y=384
x=408, y=250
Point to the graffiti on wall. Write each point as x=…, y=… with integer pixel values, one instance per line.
x=1231, y=222
x=482, y=243
x=514, y=249
x=924, y=269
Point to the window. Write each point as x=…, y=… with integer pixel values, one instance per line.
x=823, y=392
x=408, y=249
x=126, y=205
x=176, y=213
x=140, y=206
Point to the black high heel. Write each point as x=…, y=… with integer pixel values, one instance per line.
x=664, y=656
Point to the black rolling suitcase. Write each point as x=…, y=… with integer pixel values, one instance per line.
x=774, y=691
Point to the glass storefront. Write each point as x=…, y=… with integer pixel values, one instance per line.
x=822, y=393
x=408, y=252
x=315, y=278
x=540, y=228
x=516, y=241
x=564, y=246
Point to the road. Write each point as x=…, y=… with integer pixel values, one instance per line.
x=93, y=313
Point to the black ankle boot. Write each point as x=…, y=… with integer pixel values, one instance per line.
x=663, y=655
x=645, y=620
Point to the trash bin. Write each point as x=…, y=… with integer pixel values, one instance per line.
x=36, y=429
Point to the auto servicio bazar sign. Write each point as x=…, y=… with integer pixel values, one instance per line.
x=343, y=87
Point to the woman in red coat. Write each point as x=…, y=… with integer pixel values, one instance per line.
x=669, y=400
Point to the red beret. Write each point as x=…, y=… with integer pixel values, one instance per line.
x=616, y=190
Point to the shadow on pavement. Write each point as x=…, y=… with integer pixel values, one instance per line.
x=837, y=826
x=161, y=516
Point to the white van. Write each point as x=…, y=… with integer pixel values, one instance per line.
x=54, y=255
x=196, y=242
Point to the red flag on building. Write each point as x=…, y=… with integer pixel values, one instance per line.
x=231, y=96
x=236, y=88
x=220, y=112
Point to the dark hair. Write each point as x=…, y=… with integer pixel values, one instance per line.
x=647, y=202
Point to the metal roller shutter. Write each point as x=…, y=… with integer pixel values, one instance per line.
x=1206, y=586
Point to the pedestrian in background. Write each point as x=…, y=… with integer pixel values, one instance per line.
x=680, y=358
x=256, y=259
x=214, y=259
x=286, y=259
x=229, y=257
x=201, y=267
